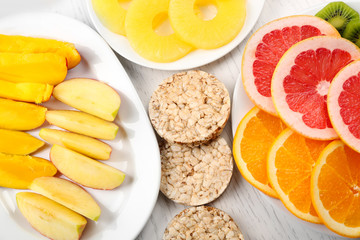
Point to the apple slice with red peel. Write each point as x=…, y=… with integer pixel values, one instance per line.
x=83, y=123
x=49, y=217
x=90, y=96
x=84, y=170
x=88, y=146
x=67, y=194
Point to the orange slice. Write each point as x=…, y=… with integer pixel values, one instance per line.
x=252, y=141
x=290, y=162
x=335, y=189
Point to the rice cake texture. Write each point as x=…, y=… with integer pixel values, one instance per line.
x=203, y=223
x=190, y=108
x=195, y=175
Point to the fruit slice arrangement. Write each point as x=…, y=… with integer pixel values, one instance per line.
x=313, y=85
x=265, y=48
x=167, y=30
x=30, y=67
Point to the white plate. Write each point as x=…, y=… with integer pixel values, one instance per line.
x=242, y=104
x=194, y=59
x=126, y=209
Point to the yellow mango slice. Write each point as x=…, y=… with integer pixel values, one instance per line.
x=22, y=44
x=20, y=116
x=21, y=143
x=47, y=68
x=26, y=92
x=17, y=171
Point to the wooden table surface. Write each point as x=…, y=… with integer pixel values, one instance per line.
x=257, y=218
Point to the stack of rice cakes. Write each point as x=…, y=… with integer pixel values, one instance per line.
x=189, y=110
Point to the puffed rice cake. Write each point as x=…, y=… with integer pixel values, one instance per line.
x=197, y=175
x=205, y=223
x=190, y=108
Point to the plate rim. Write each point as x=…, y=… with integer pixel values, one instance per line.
x=179, y=64
x=152, y=198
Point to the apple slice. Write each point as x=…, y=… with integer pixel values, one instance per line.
x=64, y=192
x=83, y=123
x=16, y=142
x=17, y=171
x=90, y=96
x=49, y=217
x=88, y=146
x=84, y=170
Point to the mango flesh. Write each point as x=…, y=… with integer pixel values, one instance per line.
x=63, y=191
x=83, y=123
x=48, y=68
x=90, y=96
x=88, y=146
x=22, y=44
x=26, y=92
x=84, y=170
x=20, y=116
x=18, y=171
x=21, y=143
x=49, y=217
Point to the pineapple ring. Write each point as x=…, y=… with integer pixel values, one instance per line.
x=111, y=14
x=207, y=34
x=142, y=17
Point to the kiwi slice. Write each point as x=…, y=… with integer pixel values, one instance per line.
x=352, y=32
x=338, y=14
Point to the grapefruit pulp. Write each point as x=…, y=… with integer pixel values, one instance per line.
x=265, y=48
x=344, y=104
x=301, y=81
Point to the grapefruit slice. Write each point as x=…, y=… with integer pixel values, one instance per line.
x=344, y=104
x=335, y=189
x=301, y=81
x=253, y=139
x=290, y=162
x=265, y=48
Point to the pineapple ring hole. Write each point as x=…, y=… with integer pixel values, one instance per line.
x=124, y=4
x=161, y=25
x=205, y=9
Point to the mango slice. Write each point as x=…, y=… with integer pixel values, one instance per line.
x=83, y=123
x=21, y=143
x=47, y=68
x=90, y=96
x=20, y=116
x=26, y=92
x=50, y=218
x=88, y=146
x=22, y=44
x=17, y=171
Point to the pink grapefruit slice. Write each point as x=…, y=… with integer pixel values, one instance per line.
x=301, y=81
x=265, y=48
x=344, y=104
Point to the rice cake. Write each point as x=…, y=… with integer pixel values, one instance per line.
x=203, y=223
x=190, y=108
x=195, y=175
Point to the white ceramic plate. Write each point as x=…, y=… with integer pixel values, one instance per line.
x=194, y=59
x=126, y=209
x=242, y=104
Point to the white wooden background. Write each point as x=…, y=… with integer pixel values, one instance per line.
x=251, y=211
